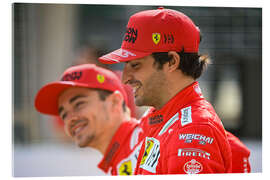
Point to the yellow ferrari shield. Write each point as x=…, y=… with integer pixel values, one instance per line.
x=148, y=146
x=100, y=78
x=125, y=168
x=156, y=38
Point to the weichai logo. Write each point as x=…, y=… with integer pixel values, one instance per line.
x=201, y=138
x=72, y=76
x=131, y=35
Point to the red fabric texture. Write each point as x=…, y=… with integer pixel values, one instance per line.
x=184, y=137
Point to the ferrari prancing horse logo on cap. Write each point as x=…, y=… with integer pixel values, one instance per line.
x=156, y=37
x=100, y=78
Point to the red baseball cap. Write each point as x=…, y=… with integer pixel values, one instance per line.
x=86, y=75
x=159, y=30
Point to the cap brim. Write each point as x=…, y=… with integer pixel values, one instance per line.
x=122, y=55
x=46, y=100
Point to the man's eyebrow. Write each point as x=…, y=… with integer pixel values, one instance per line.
x=76, y=97
x=61, y=108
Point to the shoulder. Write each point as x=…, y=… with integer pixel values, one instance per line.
x=237, y=146
x=196, y=114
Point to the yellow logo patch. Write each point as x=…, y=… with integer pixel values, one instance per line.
x=148, y=148
x=156, y=37
x=125, y=168
x=151, y=154
x=100, y=78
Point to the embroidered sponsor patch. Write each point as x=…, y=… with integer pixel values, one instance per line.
x=110, y=155
x=193, y=152
x=193, y=167
x=155, y=119
x=100, y=78
x=127, y=166
x=186, y=116
x=168, y=38
x=131, y=35
x=151, y=155
x=72, y=76
x=199, y=137
x=156, y=37
x=169, y=123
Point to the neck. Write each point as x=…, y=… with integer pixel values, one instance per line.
x=174, y=86
x=108, y=133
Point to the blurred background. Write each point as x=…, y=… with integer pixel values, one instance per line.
x=48, y=38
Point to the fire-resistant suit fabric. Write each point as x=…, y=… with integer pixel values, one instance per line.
x=184, y=137
x=121, y=155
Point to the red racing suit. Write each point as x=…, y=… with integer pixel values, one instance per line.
x=240, y=155
x=121, y=155
x=184, y=137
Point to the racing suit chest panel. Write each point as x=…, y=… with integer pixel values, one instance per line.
x=188, y=108
x=121, y=155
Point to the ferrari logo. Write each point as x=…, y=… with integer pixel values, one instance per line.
x=148, y=147
x=151, y=154
x=125, y=168
x=100, y=78
x=156, y=38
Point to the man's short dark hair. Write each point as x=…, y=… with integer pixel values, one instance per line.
x=191, y=64
x=103, y=94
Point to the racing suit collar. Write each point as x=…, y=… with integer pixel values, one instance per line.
x=184, y=97
x=114, y=147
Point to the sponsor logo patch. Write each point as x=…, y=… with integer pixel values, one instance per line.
x=155, y=120
x=193, y=167
x=100, y=78
x=72, y=76
x=200, y=138
x=151, y=155
x=131, y=35
x=123, y=53
x=168, y=38
x=125, y=168
x=193, y=152
x=156, y=38
x=110, y=155
x=186, y=116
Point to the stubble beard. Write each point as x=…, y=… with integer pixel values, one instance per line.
x=85, y=141
x=152, y=91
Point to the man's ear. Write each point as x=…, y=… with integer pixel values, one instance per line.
x=173, y=64
x=116, y=99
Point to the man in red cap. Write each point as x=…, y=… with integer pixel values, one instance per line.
x=183, y=132
x=91, y=102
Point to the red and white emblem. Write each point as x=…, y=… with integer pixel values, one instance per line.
x=193, y=167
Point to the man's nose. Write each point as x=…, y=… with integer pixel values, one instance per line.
x=126, y=76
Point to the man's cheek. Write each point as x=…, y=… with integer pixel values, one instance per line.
x=67, y=131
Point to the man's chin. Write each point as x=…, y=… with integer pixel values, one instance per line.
x=139, y=101
x=86, y=143
x=82, y=145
